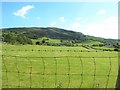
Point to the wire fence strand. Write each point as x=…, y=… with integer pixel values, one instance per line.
x=68, y=72
x=109, y=72
x=18, y=72
x=81, y=72
x=55, y=72
x=59, y=64
x=94, y=71
x=6, y=71
x=43, y=72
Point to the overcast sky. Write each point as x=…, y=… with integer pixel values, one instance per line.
x=90, y=18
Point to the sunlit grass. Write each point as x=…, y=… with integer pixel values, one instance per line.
x=64, y=72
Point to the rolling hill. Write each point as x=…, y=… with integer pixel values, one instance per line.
x=34, y=33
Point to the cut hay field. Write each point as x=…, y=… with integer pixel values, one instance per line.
x=34, y=66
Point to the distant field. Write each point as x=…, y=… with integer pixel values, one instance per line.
x=62, y=67
x=103, y=48
x=90, y=43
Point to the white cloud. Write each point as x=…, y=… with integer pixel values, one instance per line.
x=23, y=11
x=101, y=12
x=62, y=19
x=53, y=23
x=75, y=26
x=78, y=19
x=107, y=29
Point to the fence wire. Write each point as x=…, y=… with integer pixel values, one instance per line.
x=48, y=71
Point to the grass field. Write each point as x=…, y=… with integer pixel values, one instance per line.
x=65, y=67
x=103, y=48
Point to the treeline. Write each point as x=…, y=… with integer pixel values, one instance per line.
x=12, y=38
x=62, y=43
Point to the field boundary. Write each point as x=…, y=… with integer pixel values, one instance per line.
x=60, y=56
x=64, y=50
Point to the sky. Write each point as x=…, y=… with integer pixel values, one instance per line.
x=98, y=19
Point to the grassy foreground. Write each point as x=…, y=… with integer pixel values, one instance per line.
x=65, y=67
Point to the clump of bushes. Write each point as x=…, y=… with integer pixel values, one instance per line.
x=12, y=38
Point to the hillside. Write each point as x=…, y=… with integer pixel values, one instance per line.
x=35, y=33
x=54, y=33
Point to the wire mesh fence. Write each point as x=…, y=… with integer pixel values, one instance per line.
x=59, y=72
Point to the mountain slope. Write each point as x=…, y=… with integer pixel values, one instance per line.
x=55, y=33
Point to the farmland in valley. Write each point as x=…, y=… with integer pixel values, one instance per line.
x=39, y=66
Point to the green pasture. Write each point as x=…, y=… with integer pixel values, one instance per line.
x=54, y=67
x=104, y=48
x=90, y=43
